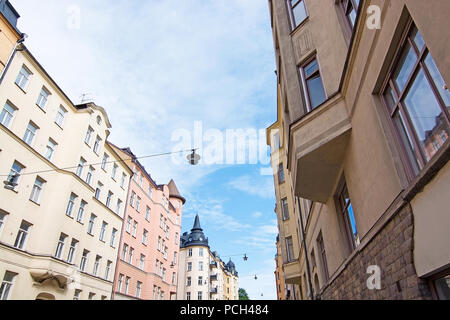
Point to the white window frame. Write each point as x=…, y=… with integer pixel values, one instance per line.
x=6, y=117
x=37, y=190
x=23, y=78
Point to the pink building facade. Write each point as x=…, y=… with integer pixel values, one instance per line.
x=147, y=263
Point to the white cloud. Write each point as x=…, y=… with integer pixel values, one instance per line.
x=257, y=214
x=261, y=186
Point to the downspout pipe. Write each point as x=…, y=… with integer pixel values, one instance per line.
x=308, y=269
x=11, y=56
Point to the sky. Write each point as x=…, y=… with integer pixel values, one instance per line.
x=162, y=69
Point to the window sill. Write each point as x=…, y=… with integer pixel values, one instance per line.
x=41, y=108
x=69, y=216
x=21, y=89
x=38, y=204
x=91, y=234
x=87, y=144
x=59, y=126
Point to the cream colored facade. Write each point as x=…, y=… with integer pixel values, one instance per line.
x=9, y=35
x=44, y=265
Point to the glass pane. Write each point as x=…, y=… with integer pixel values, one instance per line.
x=406, y=141
x=316, y=91
x=405, y=67
x=352, y=221
x=390, y=99
x=311, y=68
x=352, y=17
x=443, y=288
x=425, y=113
x=299, y=12
x=418, y=40
x=437, y=78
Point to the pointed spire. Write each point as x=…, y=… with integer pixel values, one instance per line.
x=197, y=224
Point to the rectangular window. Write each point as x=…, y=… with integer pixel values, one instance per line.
x=127, y=284
x=188, y=296
x=7, y=283
x=98, y=191
x=104, y=161
x=190, y=252
x=23, y=78
x=189, y=266
x=84, y=258
x=200, y=252
x=91, y=224
x=417, y=103
x=30, y=133
x=89, y=175
x=108, y=269
x=77, y=294
x=200, y=266
x=108, y=199
x=124, y=252
x=80, y=167
x=200, y=281
x=119, y=283
x=348, y=217
x=50, y=150
x=297, y=11
x=128, y=225
x=71, y=204
x=37, y=189
x=289, y=249
x=124, y=178
x=91, y=296
x=189, y=281
x=96, y=265
x=138, y=289
x=142, y=262
x=119, y=205
x=313, y=85
x=284, y=209
x=130, y=257
x=7, y=114
x=147, y=213
x=98, y=140
x=114, y=171
x=60, y=116
x=88, y=137
x=350, y=10
x=281, y=173
x=323, y=256
x=133, y=232
x=103, y=231
x=81, y=211
x=14, y=174
x=133, y=196
x=200, y=295
x=60, y=245
x=144, y=237
x=43, y=98
x=113, y=237
x=72, y=249
x=138, y=204
x=2, y=220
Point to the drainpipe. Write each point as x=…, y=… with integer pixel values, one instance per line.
x=11, y=56
x=308, y=270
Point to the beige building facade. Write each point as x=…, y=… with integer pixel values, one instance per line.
x=365, y=102
x=63, y=199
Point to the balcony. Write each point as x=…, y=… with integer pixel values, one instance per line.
x=214, y=290
x=213, y=264
x=319, y=142
x=213, y=277
x=292, y=272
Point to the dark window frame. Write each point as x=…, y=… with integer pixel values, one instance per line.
x=399, y=108
x=323, y=255
x=294, y=25
x=305, y=79
x=347, y=6
x=342, y=210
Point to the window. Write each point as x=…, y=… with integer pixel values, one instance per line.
x=88, y=137
x=7, y=114
x=289, y=249
x=142, y=262
x=98, y=191
x=130, y=257
x=280, y=173
x=417, y=103
x=176, y=238
x=103, y=231
x=141, y=180
x=188, y=296
x=144, y=237
x=276, y=145
x=128, y=226
x=50, y=150
x=108, y=199
x=189, y=266
x=91, y=224
x=96, y=265
x=98, y=120
x=200, y=295
x=76, y=295
x=22, y=235
x=43, y=98
x=89, y=175
x=138, y=204
x=175, y=258
x=60, y=116
x=122, y=182
x=189, y=281
x=200, y=281
x=7, y=284
x=127, y=284
x=150, y=191
x=441, y=285
x=190, y=252
x=119, y=283
x=81, y=211
x=80, y=167
x=200, y=252
x=14, y=174
x=133, y=196
x=297, y=11
x=119, y=205
x=157, y=266
x=72, y=249
x=200, y=266
x=164, y=274
x=91, y=296
x=313, y=86
x=124, y=252
x=23, y=78
x=97, y=146
x=60, y=246
x=37, y=189
x=147, y=213
x=323, y=256
x=174, y=277
x=138, y=289
x=133, y=232
x=30, y=133
x=285, y=209
x=84, y=258
x=113, y=237
x=2, y=220
x=104, y=161
x=161, y=218
x=350, y=9
x=348, y=217
x=313, y=259
x=71, y=204
x=114, y=171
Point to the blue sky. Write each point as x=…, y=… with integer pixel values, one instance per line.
x=158, y=66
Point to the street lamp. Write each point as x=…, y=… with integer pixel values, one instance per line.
x=245, y=257
x=256, y=278
x=193, y=158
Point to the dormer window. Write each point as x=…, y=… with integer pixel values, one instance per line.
x=99, y=120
